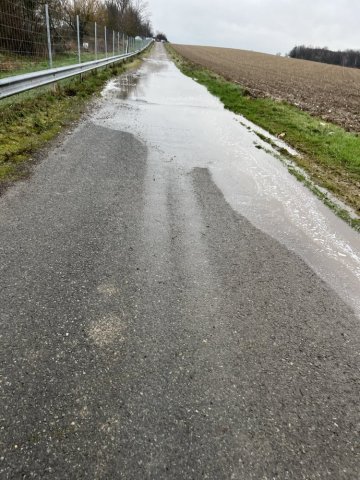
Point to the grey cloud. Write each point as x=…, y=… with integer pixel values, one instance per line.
x=263, y=25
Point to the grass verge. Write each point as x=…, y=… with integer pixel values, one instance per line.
x=18, y=65
x=329, y=154
x=31, y=119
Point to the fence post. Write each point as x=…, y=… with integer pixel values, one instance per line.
x=48, y=34
x=78, y=37
x=113, y=43
x=95, y=32
x=105, y=42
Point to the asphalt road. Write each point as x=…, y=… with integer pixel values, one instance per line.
x=151, y=331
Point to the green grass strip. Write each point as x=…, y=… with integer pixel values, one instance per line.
x=21, y=65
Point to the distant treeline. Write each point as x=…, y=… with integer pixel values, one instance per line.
x=347, y=58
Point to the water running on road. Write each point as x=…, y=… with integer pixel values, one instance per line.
x=185, y=127
x=148, y=329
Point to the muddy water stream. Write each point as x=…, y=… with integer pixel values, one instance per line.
x=184, y=127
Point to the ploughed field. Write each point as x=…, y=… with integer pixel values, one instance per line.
x=328, y=91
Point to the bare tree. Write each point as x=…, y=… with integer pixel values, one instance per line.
x=128, y=16
x=347, y=58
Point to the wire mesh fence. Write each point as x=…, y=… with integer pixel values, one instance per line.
x=33, y=39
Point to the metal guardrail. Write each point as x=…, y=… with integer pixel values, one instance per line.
x=21, y=83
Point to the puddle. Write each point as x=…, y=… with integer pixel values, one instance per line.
x=122, y=87
x=183, y=125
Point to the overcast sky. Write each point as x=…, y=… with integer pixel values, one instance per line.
x=262, y=25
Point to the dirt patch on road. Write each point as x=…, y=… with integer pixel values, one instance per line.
x=107, y=330
x=327, y=91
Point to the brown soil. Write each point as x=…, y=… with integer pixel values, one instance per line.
x=327, y=91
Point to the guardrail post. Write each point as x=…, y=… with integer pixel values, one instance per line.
x=105, y=41
x=48, y=35
x=78, y=37
x=95, y=47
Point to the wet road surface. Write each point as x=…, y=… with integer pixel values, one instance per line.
x=174, y=305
